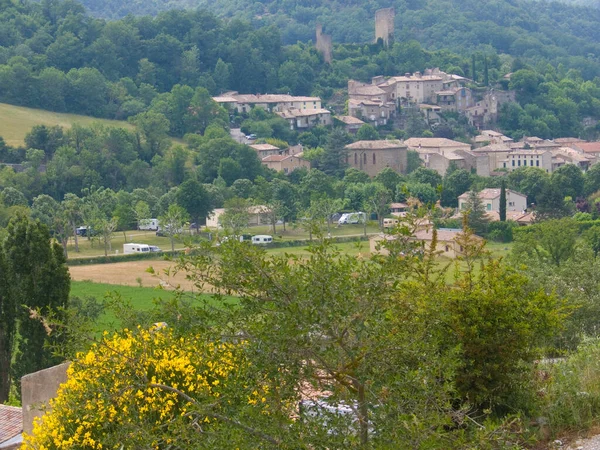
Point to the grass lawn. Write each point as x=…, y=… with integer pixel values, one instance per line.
x=17, y=121
x=139, y=237
x=139, y=298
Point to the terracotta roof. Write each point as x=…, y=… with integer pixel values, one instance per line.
x=376, y=145
x=525, y=151
x=570, y=154
x=415, y=78
x=492, y=148
x=263, y=147
x=490, y=193
x=367, y=90
x=589, y=147
x=274, y=158
x=11, y=422
x=398, y=205
x=491, y=133
x=294, y=112
x=433, y=142
x=271, y=98
x=568, y=140
x=349, y=120
x=448, y=92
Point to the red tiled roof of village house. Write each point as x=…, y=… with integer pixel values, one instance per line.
x=11, y=422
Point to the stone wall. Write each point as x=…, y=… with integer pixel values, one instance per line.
x=37, y=389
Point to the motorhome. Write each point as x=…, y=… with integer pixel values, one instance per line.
x=261, y=239
x=148, y=224
x=136, y=248
x=355, y=217
x=390, y=223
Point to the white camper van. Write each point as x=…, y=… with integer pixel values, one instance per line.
x=136, y=248
x=149, y=224
x=260, y=239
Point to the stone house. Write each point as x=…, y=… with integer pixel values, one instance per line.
x=264, y=150
x=373, y=111
x=463, y=159
x=457, y=99
x=301, y=119
x=11, y=427
x=244, y=103
x=374, y=156
x=285, y=163
x=351, y=124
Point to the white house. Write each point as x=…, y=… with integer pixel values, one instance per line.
x=490, y=198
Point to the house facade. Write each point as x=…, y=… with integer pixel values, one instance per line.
x=244, y=103
x=302, y=119
x=374, y=156
x=542, y=159
x=490, y=198
x=285, y=163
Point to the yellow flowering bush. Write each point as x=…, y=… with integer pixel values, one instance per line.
x=143, y=389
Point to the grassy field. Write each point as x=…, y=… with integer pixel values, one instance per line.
x=17, y=121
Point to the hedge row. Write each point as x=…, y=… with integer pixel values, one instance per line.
x=142, y=256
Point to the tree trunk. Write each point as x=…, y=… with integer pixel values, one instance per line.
x=363, y=415
x=172, y=243
x=125, y=235
x=76, y=238
x=5, y=356
x=64, y=241
x=284, y=224
x=365, y=225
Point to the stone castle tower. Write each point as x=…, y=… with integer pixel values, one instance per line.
x=324, y=44
x=384, y=25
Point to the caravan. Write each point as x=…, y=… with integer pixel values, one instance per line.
x=128, y=249
x=148, y=224
x=261, y=239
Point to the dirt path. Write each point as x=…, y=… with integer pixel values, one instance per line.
x=130, y=274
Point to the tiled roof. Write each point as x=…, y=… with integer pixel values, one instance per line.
x=263, y=147
x=376, y=145
x=492, y=148
x=490, y=194
x=349, y=120
x=294, y=112
x=433, y=142
x=11, y=422
x=267, y=98
x=589, y=147
x=274, y=158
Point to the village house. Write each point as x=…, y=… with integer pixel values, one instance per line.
x=264, y=150
x=372, y=111
x=374, y=156
x=485, y=111
x=591, y=149
x=541, y=159
x=457, y=99
x=351, y=124
x=491, y=137
x=398, y=209
x=285, y=163
x=244, y=103
x=567, y=155
x=301, y=119
x=435, y=145
x=462, y=159
x=490, y=198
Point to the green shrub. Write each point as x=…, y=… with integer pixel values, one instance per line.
x=501, y=231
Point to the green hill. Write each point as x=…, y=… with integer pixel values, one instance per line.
x=17, y=121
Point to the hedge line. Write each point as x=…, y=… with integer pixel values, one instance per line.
x=142, y=256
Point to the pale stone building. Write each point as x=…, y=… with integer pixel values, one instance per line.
x=490, y=198
x=374, y=156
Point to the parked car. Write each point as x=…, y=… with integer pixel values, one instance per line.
x=251, y=137
x=84, y=231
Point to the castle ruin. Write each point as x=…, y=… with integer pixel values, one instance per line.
x=324, y=44
x=384, y=25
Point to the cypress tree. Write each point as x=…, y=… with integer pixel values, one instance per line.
x=503, y=202
x=8, y=326
x=486, y=76
x=41, y=282
x=473, y=73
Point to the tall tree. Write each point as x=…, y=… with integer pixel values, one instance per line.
x=41, y=283
x=192, y=196
x=8, y=326
x=171, y=223
x=477, y=218
x=503, y=201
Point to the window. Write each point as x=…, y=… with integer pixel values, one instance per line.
x=511, y=203
x=531, y=163
x=447, y=248
x=488, y=206
x=513, y=163
x=364, y=158
x=285, y=170
x=355, y=159
x=373, y=158
x=519, y=163
x=537, y=163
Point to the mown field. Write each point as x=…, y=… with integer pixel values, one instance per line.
x=17, y=121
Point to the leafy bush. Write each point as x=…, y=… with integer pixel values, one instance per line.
x=501, y=231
